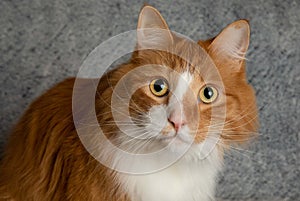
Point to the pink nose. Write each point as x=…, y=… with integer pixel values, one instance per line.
x=177, y=121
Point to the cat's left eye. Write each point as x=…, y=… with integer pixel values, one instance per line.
x=159, y=87
x=208, y=94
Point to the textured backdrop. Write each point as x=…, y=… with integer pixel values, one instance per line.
x=43, y=42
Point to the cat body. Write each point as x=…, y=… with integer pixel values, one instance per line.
x=47, y=159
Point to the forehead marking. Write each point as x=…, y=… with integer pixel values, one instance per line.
x=182, y=85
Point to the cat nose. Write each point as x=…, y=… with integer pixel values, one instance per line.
x=177, y=121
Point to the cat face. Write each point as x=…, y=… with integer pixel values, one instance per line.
x=177, y=93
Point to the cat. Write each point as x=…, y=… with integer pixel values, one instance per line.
x=177, y=105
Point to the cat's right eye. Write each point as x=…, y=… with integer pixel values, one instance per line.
x=159, y=87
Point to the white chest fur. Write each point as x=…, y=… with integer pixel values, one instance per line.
x=183, y=181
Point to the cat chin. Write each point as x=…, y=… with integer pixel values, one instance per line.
x=191, y=151
x=176, y=144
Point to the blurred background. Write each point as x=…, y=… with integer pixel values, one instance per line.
x=43, y=42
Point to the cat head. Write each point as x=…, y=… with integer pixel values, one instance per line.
x=175, y=92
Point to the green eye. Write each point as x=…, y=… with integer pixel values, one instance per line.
x=208, y=94
x=159, y=87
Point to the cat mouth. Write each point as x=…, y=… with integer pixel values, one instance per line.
x=177, y=139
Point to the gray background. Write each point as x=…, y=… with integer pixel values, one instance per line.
x=43, y=42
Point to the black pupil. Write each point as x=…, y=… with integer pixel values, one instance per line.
x=159, y=85
x=208, y=92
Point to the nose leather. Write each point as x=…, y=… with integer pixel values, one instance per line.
x=177, y=120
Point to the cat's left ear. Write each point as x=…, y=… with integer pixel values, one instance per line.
x=152, y=29
x=232, y=43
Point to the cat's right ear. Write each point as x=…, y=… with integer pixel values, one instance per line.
x=152, y=30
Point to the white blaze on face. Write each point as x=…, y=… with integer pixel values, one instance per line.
x=182, y=85
x=162, y=115
x=175, y=106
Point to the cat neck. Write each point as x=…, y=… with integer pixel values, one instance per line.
x=184, y=180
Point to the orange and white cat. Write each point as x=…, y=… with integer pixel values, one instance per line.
x=46, y=160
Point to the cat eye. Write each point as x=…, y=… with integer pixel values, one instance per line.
x=208, y=94
x=159, y=87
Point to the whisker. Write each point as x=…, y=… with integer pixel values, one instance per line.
x=136, y=138
x=243, y=114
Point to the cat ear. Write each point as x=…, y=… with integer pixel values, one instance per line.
x=152, y=29
x=232, y=43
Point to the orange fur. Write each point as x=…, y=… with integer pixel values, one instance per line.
x=45, y=160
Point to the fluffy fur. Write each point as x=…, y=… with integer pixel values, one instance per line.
x=45, y=159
